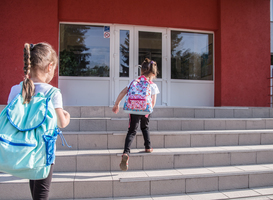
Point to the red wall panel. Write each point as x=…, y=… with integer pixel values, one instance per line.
x=29, y=21
x=242, y=36
x=195, y=14
x=244, y=53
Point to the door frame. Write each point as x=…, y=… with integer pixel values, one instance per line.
x=133, y=60
x=115, y=78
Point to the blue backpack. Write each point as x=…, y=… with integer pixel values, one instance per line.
x=28, y=133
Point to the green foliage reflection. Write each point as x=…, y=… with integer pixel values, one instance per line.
x=75, y=55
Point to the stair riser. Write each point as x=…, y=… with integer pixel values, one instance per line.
x=86, y=163
x=114, y=188
x=170, y=124
x=110, y=141
x=95, y=184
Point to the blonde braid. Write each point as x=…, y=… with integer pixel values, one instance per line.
x=28, y=86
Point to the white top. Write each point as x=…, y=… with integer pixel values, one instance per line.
x=44, y=88
x=154, y=88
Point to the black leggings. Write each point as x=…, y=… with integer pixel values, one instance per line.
x=133, y=125
x=40, y=188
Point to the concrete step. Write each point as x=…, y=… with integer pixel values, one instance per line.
x=170, y=124
x=173, y=112
x=163, y=158
x=260, y=193
x=82, y=140
x=76, y=185
x=180, y=112
x=195, y=150
x=166, y=112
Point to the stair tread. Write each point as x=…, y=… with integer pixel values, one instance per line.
x=190, y=167
x=167, y=151
x=172, y=118
x=149, y=175
x=260, y=193
x=175, y=132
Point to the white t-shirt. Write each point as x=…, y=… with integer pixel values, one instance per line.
x=154, y=88
x=44, y=88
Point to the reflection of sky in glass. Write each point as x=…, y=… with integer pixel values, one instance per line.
x=123, y=36
x=99, y=47
x=193, y=42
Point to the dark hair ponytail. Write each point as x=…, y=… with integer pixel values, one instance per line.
x=28, y=86
x=149, y=67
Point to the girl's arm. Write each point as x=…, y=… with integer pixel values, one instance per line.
x=120, y=97
x=153, y=100
x=63, y=117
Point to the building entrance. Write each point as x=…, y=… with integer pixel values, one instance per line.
x=97, y=62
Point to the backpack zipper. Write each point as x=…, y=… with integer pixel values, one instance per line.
x=17, y=144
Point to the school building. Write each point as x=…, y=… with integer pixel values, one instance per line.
x=209, y=52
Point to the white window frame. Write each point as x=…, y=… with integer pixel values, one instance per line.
x=114, y=58
x=111, y=63
x=170, y=80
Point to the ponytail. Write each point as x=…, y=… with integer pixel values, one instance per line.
x=28, y=85
x=149, y=67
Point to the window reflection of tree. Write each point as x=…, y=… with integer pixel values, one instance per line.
x=150, y=46
x=124, y=57
x=187, y=64
x=178, y=63
x=74, y=61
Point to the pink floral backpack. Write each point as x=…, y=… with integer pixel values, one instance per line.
x=139, y=99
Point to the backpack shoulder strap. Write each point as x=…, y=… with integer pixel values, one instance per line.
x=21, y=84
x=132, y=83
x=143, y=78
x=52, y=92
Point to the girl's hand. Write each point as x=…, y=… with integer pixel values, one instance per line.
x=66, y=113
x=115, y=109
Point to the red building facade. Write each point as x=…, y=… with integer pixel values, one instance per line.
x=241, y=36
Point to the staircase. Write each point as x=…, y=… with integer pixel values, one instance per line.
x=197, y=151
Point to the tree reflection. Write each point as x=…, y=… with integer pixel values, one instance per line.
x=188, y=64
x=74, y=54
x=124, y=62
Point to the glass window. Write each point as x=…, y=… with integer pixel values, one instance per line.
x=84, y=50
x=150, y=46
x=191, y=56
x=124, y=53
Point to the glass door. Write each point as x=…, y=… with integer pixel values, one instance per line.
x=123, y=59
x=132, y=46
x=151, y=43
